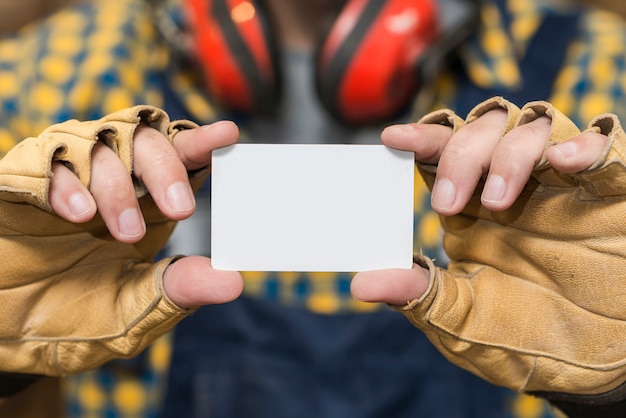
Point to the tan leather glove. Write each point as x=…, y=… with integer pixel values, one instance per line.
x=534, y=298
x=72, y=297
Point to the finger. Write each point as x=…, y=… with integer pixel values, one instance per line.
x=192, y=282
x=158, y=166
x=514, y=158
x=427, y=141
x=393, y=286
x=68, y=197
x=577, y=154
x=114, y=193
x=466, y=157
x=194, y=146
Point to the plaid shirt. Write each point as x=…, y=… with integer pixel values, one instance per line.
x=96, y=57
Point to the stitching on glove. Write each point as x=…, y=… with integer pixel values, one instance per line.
x=609, y=125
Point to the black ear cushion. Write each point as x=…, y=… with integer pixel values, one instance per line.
x=265, y=92
x=328, y=78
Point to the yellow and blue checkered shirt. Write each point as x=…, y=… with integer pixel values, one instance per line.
x=93, y=58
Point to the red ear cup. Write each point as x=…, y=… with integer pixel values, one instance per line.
x=366, y=66
x=234, y=47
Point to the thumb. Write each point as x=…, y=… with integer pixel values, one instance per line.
x=192, y=282
x=393, y=286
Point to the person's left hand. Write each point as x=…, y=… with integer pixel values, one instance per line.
x=532, y=212
x=463, y=157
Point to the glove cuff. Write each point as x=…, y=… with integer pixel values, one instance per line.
x=495, y=103
x=445, y=117
x=26, y=170
x=422, y=303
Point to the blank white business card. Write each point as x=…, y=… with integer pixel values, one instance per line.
x=335, y=208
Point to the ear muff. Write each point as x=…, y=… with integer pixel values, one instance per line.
x=234, y=47
x=366, y=65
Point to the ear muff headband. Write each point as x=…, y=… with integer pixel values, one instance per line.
x=366, y=65
x=234, y=47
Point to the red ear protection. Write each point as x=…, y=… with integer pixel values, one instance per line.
x=235, y=49
x=365, y=65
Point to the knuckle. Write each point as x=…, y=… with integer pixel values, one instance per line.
x=459, y=151
x=527, y=139
x=512, y=147
x=115, y=185
x=164, y=157
x=146, y=134
x=526, y=131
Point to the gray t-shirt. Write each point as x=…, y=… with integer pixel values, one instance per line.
x=301, y=117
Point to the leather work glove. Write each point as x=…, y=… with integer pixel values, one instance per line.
x=71, y=296
x=534, y=298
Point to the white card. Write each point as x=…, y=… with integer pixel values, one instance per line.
x=335, y=208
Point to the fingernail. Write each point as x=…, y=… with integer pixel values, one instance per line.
x=566, y=149
x=444, y=194
x=180, y=197
x=79, y=204
x=494, y=190
x=131, y=223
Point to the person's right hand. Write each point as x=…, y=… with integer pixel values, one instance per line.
x=84, y=209
x=163, y=167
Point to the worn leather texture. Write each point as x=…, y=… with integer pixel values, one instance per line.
x=72, y=297
x=533, y=298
